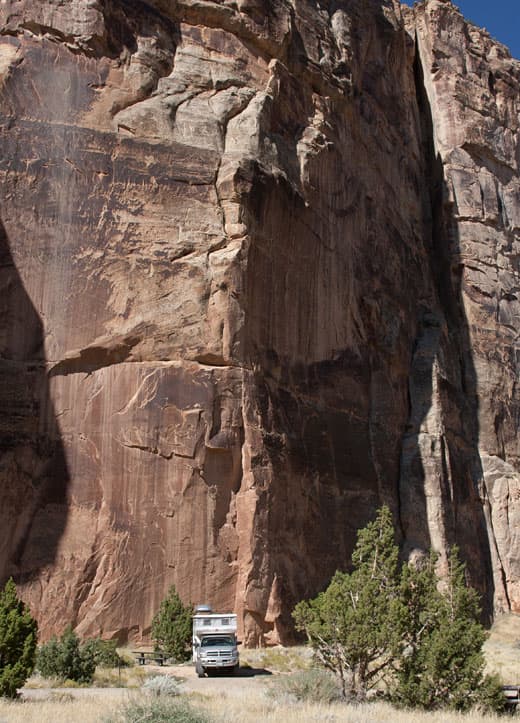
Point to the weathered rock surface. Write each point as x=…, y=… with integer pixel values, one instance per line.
x=472, y=90
x=259, y=275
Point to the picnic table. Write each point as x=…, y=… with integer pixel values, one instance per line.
x=512, y=693
x=150, y=656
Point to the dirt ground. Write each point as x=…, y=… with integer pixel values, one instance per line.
x=246, y=679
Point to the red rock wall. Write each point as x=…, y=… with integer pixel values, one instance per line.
x=258, y=277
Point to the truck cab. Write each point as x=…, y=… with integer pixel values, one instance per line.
x=214, y=641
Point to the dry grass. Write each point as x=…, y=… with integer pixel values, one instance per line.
x=59, y=708
x=256, y=708
x=253, y=707
x=132, y=677
x=502, y=649
x=278, y=659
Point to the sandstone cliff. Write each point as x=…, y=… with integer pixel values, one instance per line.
x=259, y=275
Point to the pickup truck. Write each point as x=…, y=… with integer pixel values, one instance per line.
x=214, y=641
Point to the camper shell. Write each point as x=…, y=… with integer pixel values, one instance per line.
x=214, y=641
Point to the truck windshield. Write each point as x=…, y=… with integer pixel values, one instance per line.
x=216, y=640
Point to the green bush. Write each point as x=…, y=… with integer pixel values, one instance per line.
x=104, y=653
x=158, y=710
x=171, y=627
x=307, y=686
x=66, y=659
x=18, y=637
x=47, y=659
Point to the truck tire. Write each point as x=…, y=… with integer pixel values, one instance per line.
x=199, y=670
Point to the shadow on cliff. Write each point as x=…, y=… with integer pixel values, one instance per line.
x=443, y=384
x=33, y=470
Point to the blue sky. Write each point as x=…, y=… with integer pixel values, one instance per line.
x=501, y=18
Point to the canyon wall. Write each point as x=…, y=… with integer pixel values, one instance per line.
x=259, y=276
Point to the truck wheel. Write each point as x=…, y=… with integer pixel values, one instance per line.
x=199, y=670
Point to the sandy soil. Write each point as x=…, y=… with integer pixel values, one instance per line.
x=231, y=685
x=246, y=679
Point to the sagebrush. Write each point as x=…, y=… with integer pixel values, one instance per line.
x=162, y=685
x=158, y=710
x=307, y=686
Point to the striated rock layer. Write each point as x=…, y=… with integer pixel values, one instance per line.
x=259, y=275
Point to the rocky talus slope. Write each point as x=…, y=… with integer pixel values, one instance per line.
x=259, y=274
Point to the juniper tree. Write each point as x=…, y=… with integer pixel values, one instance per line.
x=18, y=637
x=77, y=662
x=442, y=665
x=401, y=626
x=355, y=625
x=171, y=626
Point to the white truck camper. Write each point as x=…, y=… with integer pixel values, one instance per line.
x=214, y=641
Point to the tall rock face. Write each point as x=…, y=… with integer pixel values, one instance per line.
x=471, y=88
x=259, y=276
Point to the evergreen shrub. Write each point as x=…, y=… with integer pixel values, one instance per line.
x=18, y=640
x=65, y=658
x=401, y=629
x=171, y=627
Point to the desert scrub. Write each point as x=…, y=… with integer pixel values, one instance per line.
x=280, y=659
x=307, y=686
x=131, y=677
x=158, y=710
x=161, y=685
